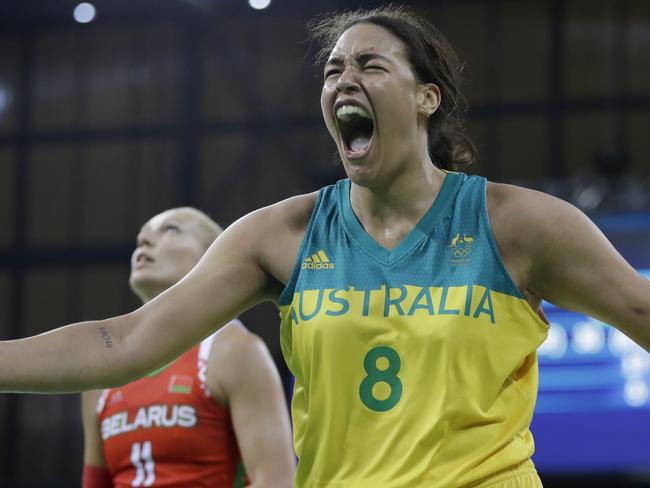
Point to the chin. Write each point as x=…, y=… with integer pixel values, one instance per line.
x=361, y=174
x=143, y=285
x=138, y=279
x=360, y=178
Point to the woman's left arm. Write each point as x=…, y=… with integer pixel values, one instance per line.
x=573, y=265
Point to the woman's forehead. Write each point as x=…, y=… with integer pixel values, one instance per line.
x=368, y=38
x=175, y=216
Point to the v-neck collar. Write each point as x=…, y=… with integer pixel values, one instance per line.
x=422, y=229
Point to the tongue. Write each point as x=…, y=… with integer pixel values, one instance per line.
x=359, y=143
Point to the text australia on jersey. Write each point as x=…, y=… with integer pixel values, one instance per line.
x=472, y=301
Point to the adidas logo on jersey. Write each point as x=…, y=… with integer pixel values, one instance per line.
x=317, y=260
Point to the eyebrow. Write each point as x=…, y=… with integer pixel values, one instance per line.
x=165, y=222
x=362, y=58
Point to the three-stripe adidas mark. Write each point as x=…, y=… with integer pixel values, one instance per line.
x=318, y=260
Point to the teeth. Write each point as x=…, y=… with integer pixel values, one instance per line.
x=345, y=112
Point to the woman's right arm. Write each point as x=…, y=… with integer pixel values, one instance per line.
x=228, y=280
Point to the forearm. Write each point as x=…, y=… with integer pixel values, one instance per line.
x=111, y=352
x=69, y=359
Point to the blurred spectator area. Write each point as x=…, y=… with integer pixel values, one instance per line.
x=160, y=103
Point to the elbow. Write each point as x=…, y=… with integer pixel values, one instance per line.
x=636, y=325
x=642, y=312
x=643, y=318
x=129, y=367
x=127, y=363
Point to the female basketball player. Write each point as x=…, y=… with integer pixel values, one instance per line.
x=211, y=417
x=408, y=293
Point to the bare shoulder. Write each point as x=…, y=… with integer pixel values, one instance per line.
x=293, y=212
x=525, y=223
x=515, y=202
x=235, y=355
x=264, y=243
x=538, y=235
x=232, y=340
x=285, y=223
x=510, y=207
x=90, y=398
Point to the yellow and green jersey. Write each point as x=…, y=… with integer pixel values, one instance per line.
x=414, y=367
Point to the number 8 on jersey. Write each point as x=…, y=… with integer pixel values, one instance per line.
x=373, y=364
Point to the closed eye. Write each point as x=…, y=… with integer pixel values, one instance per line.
x=331, y=72
x=171, y=228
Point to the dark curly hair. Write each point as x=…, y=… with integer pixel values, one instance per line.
x=432, y=59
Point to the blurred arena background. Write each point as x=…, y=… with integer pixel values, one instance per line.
x=212, y=103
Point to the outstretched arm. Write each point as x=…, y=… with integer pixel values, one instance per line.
x=228, y=279
x=573, y=265
x=242, y=369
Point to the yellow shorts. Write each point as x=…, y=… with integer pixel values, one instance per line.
x=522, y=475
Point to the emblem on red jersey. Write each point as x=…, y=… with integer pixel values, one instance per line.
x=180, y=384
x=115, y=398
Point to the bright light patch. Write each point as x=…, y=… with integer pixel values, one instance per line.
x=259, y=4
x=635, y=364
x=636, y=393
x=84, y=13
x=588, y=338
x=620, y=344
x=555, y=344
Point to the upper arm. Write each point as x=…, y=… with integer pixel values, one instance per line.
x=227, y=280
x=244, y=370
x=573, y=265
x=93, y=454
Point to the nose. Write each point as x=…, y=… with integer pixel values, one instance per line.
x=347, y=81
x=146, y=240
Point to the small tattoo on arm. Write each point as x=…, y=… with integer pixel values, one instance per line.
x=105, y=335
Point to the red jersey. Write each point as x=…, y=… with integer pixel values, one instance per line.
x=167, y=430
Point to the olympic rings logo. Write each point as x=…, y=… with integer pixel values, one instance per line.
x=460, y=252
x=460, y=246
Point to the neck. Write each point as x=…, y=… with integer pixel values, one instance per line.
x=389, y=214
x=408, y=194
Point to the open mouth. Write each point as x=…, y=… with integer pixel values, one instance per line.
x=142, y=259
x=356, y=127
